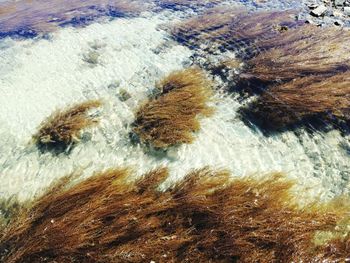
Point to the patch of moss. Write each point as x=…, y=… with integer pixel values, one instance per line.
x=206, y=217
x=63, y=128
x=171, y=117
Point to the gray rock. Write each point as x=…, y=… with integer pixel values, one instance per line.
x=339, y=2
x=319, y=11
x=114, y=85
x=312, y=6
x=337, y=13
x=86, y=136
x=347, y=10
x=311, y=20
x=338, y=23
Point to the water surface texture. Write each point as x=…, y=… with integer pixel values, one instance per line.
x=57, y=53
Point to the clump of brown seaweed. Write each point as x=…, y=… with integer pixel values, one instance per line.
x=301, y=52
x=25, y=18
x=207, y=217
x=233, y=29
x=302, y=77
x=9, y=209
x=336, y=250
x=63, y=128
x=180, y=4
x=303, y=99
x=172, y=117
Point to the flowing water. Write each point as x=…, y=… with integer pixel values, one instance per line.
x=47, y=65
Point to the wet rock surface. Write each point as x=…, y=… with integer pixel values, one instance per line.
x=319, y=12
x=327, y=12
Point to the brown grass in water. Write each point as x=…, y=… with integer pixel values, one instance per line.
x=178, y=4
x=172, y=117
x=41, y=16
x=233, y=28
x=207, y=217
x=302, y=99
x=63, y=128
x=337, y=250
x=304, y=51
x=9, y=209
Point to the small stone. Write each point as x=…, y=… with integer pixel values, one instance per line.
x=86, y=136
x=328, y=21
x=337, y=13
x=338, y=23
x=339, y=2
x=91, y=57
x=312, y=6
x=347, y=10
x=123, y=95
x=157, y=50
x=114, y=85
x=319, y=11
x=310, y=21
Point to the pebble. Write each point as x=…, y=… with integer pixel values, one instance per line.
x=124, y=95
x=114, y=85
x=339, y=2
x=312, y=6
x=339, y=23
x=337, y=13
x=319, y=11
x=347, y=10
x=91, y=57
x=325, y=12
x=328, y=20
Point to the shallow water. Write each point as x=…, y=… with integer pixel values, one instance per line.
x=42, y=74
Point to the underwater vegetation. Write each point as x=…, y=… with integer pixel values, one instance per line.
x=193, y=31
x=302, y=99
x=180, y=4
x=233, y=28
x=275, y=46
x=172, y=116
x=300, y=52
x=63, y=128
x=30, y=18
x=209, y=216
x=9, y=209
x=301, y=77
x=337, y=250
x=289, y=64
x=206, y=217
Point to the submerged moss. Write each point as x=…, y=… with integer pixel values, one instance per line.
x=300, y=52
x=172, y=117
x=63, y=128
x=206, y=217
x=233, y=28
x=302, y=100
